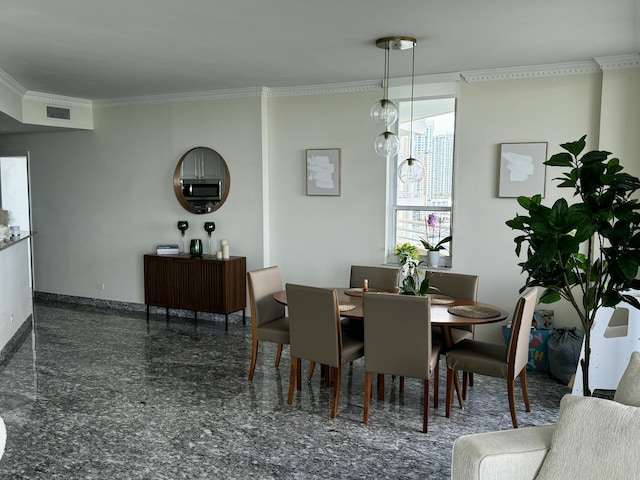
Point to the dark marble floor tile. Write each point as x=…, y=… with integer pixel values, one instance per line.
x=102, y=394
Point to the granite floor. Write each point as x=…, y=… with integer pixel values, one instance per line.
x=101, y=394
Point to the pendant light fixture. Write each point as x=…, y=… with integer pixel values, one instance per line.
x=385, y=112
x=411, y=170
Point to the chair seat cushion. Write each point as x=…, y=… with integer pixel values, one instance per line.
x=479, y=357
x=593, y=439
x=352, y=348
x=276, y=331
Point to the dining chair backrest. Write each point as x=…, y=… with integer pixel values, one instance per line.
x=383, y=278
x=518, y=347
x=314, y=324
x=397, y=335
x=459, y=285
x=263, y=284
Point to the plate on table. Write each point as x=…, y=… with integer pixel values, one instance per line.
x=439, y=299
x=471, y=311
x=345, y=307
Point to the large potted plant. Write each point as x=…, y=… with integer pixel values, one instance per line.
x=587, y=253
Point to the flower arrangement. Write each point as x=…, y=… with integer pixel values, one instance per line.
x=430, y=242
x=410, y=263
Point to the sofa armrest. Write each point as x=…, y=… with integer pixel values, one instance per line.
x=509, y=454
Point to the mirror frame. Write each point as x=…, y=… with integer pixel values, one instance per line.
x=177, y=185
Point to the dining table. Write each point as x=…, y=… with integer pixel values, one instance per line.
x=446, y=312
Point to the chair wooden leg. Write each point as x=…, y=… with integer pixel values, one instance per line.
x=336, y=391
x=254, y=358
x=436, y=382
x=425, y=407
x=312, y=366
x=368, y=392
x=401, y=384
x=295, y=362
x=465, y=378
x=525, y=390
x=449, y=393
x=512, y=401
x=456, y=383
x=470, y=379
x=299, y=375
x=380, y=386
x=278, y=355
x=327, y=375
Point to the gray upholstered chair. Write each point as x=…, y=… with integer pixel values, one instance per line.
x=458, y=285
x=268, y=320
x=397, y=341
x=383, y=278
x=316, y=335
x=496, y=360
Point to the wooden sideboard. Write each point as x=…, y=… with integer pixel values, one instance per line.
x=199, y=284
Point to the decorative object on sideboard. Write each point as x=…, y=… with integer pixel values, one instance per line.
x=168, y=249
x=224, y=250
x=195, y=249
x=183, y=225
x=209, y=227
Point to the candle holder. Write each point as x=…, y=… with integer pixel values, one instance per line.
x=183, y=225
x=209, y=227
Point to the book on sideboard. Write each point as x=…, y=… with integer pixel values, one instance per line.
x=167, y=250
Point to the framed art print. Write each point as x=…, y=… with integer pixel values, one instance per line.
x=522, y=169
x=323, y=172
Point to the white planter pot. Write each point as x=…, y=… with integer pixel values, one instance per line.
x=433, y=258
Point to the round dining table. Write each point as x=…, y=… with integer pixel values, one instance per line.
x=446, y=312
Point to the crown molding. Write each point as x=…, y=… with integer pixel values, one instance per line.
x=331, y=89
x=182, y=97
x=9, y=82
x=57, y=99
x=533, y=71
x=618, y=62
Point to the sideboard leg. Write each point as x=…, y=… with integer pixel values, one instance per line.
x=226, y=322
x=147, y=313
x=244, y=322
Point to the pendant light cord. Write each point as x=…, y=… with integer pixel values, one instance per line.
x=413, y=71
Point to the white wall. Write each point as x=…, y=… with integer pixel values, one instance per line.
x=315, y=239
x=101, y=199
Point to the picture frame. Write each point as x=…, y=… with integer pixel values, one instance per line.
x=522, y=169
x=323, y=172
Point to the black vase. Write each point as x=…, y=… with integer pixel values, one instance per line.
x=196, y=248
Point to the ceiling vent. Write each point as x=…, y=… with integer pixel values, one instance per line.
x=57, y=112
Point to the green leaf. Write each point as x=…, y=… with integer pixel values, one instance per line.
x=560, y=160
x=575, y=147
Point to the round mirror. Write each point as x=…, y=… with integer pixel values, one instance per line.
x=201, y=180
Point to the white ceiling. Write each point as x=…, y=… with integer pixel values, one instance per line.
x=129, y=48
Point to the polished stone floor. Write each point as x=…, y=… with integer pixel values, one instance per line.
x=102, y=394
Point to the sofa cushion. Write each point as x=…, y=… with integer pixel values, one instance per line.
x=593, y=439
x=628, y=391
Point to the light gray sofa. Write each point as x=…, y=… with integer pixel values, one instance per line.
x=592, y=439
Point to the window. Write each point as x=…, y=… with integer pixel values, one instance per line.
x=422, y=210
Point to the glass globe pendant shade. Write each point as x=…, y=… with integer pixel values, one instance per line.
x=384, y=113
x=387, y=144
x=411, y=171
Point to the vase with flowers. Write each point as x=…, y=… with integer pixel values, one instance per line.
x=411, y=273
x=434, y=241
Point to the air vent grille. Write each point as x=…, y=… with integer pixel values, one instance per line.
x=57, y=112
